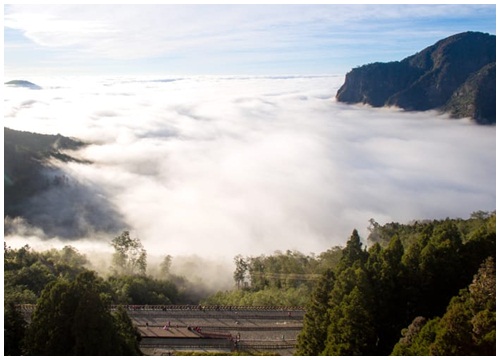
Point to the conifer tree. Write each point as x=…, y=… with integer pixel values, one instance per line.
x=311, y=340
x=353, y=251
x=351, y=331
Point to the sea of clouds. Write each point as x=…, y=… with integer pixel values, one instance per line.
x=213, y=167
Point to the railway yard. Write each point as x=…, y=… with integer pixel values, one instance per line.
x=173, y=329
x=170, y=329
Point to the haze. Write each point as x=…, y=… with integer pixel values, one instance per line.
x=215, y=166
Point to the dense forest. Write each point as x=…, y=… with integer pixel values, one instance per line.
x=425, y=288
x=422, y=289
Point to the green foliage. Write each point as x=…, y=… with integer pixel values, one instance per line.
x=403, y=347
x=130, y=256
x=141, y=289
x=127, y=332
x=351, y=330
x=278, y=279
x=351, y=327
x=358, y=306
x=409, y=273
x=27, y=272
x=14, y=330
x=453, y=331
x=327, y=260
x=386, y=273
x=353, y=251
x=72, y=318
x=68, y=262
x=239, y=272
x=423, y=335
x=313, y=336
x=468, y=327
x=266, y=297
x=280, y=270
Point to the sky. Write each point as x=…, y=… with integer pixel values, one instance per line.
x=55, y=40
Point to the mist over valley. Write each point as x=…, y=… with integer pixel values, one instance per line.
x=219, y=166
x=245, y=180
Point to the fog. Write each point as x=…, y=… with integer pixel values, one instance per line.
x=212, y=167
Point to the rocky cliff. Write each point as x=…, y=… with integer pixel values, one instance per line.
x=456, y=75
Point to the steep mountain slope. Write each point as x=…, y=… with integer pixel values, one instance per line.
x=26, y=165
x=456, y=75
x=38, y=191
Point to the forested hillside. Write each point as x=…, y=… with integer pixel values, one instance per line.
x=416, y=280
x=27, y=169
x=39, y=192
x=69, y=296
x=426, y=288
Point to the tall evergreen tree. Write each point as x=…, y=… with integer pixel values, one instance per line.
x=311, y=340
x=440, y=263
x=389, y=294
x=353, y=251
x=351, y=330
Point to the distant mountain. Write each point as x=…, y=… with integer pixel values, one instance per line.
x=456, y=75
x=23, y=83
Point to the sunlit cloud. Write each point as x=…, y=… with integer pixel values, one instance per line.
x=219, y=166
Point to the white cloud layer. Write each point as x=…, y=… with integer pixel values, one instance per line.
x=219, y=166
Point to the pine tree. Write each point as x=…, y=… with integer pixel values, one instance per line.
x=353, y=251
x=351, y=331
x=311, y=340
x=351, y=315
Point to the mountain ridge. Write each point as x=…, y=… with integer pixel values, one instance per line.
x=456, y=75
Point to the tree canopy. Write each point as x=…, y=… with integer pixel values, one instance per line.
x=130, y=257
x=425, y=288
x=72, y=318
x=422, y=280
